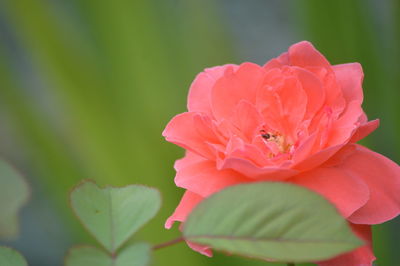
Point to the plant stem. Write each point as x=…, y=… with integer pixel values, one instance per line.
x=168, y=243
x=290, y=264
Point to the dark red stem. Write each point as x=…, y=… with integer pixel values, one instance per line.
x=168, y=243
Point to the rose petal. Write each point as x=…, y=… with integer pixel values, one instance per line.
x=362, y=256
x=199, y=99
x=282, y=101
x=191, y=131
x=314, y=89
x=351, y=115
x=188, y=159
x=294, y=103
x=346, y=124
x=316, y=159
x=188, y=202
x=236, y=147
x=350, y=77
x=383, y=179
x=304, y=149
x=273, y=63
x=204, y=250
x=364, y=130
x=304, y=54
x=229, y=90
x=247, y=120
x=346, y=192
x=249, y=169
x=203, y=178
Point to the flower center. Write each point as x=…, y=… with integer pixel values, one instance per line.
x=277, y=139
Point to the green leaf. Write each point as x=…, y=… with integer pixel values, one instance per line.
x=87, y=256
x=112, y=214
x=270, y=220
x=135, y=255
x=11, y=257
x=14, y=193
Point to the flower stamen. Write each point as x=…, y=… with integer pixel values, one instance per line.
x=277, y=138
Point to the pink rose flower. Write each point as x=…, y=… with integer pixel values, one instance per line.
x=296, y=119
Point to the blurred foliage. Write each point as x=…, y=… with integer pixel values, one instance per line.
x=104, y=77
x=14, y=193
x=11, y=257
x=86, y=88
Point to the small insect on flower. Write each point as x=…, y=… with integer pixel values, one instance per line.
x=265, y=135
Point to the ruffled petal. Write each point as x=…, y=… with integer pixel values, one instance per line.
x=204, y=250
x=246, y=120
x=199, y=99
x=316, y=159
x=203, y=178
x=188, y=202
x=343, y=128
x=313, y=87
x=273, y=63
x=237, y=148
x=350, y=77
x=235, y=86
x=362, y=256
x=192, y=131
x=304, y=149
x=188, y=159
x=251, y=170
x=383, y=179
x=304, y=54
x=293, y=100
x=364, y=130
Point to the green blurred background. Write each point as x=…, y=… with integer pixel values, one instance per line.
x=87, y=86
